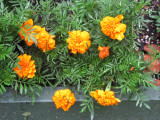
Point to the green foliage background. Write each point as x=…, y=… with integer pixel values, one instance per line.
x=85, y=72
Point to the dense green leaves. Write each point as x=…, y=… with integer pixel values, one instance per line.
x=86, y=71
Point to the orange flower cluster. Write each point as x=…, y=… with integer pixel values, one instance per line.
x=112, y=27
x=104, y=52
x=78, y=41
x=105, y=98
x=44, y=40
x=64, y=99
x=27, y=67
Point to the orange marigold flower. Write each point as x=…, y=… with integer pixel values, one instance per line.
x=112, y=27
x=104, y=52
x=24, y=30
x=105, y=98
x=132, y=68
x=78, y=41
x=27, y=67
x=64, y=99
x=45, y=41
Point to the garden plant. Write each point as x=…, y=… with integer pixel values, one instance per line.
x=87, y=46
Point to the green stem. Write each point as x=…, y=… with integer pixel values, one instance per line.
x=108, y=88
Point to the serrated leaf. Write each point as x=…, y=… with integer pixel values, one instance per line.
x=146, y=105
x=27, y=26
x=22, y=32
x=137, y=102
x=3, y=88
x=50, y=84
x=29, y=37
x=16, y=86
x=38, y=86
x=32, y=30
x=7, y=83
x=25, y=35
x=18, y=66
x=20, y=48
x=21, y=88
x=92, y=115
x=83, y=109
x=33, y=98
x=34, y=39
x=2, y=5
x=1, y=92
x=34, y=33
x=154, y=16
x=38, y=94
x=30, y=87
x=25, y=89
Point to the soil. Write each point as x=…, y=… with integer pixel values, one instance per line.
x=150, y=34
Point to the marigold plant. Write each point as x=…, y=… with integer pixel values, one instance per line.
x=78, y=41
x=105, y=98
x=104, y=52
x=27, y=67
x=86, y=23
x=64, y=99
x=112, y=27
x=44, y=40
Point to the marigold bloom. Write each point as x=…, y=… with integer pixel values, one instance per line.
x=27, y=67
x=104, y=52
x=45, y=41
x=29, y=23
x=112, y=27
x=78, y=41
x=64, y=99
x=131, y=68
x=105, y=98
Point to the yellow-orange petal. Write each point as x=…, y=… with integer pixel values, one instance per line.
x=28, y=22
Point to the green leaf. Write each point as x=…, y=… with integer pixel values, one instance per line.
x=38, y=94
x=38, y=86
x=29, y=37
x=7, y=83
x=146, y=105
x=30, y=87
x=137, y=103
x=50, y=84
x=25, y=35
x=3, y=88
x=83, y=109
x=20, y=48
x=22, y=32
x=25, y=89
x=1, y=92
x=33, y=98
x=16, y=86
x=32, y=30
x=18, y=66
x=2, y=5
x=34, y=39
x=21, y=88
